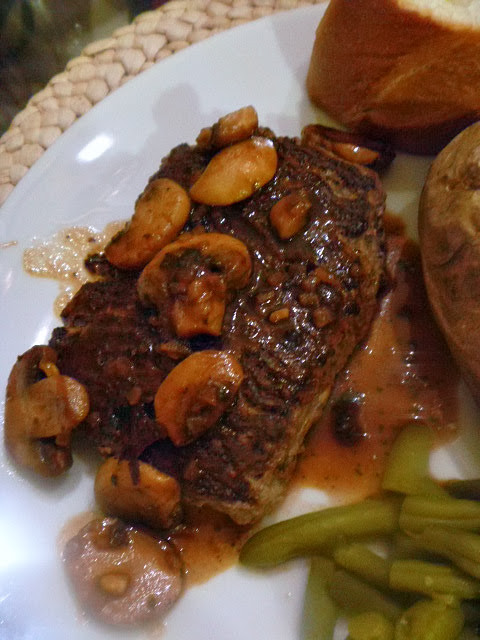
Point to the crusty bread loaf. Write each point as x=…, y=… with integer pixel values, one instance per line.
x=407, y=71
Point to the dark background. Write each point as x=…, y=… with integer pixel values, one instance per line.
x=38, y=37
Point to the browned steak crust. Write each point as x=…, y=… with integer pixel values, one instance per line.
x=327, y=276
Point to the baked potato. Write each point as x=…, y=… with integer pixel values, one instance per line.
x=449, y=228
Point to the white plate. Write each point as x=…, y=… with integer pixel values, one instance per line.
x=91, y=176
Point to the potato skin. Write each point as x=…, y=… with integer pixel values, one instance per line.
x=449, y=229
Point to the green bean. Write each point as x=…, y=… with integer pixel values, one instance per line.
x=467, y=489
x=430, y=620
x=363, y=562
x=418, y=576
x=407, y=468
x=405, y=547
x=461, y=547
x=319, y=610
x=370, y=626
x=312, y=533
x=419, y=512
x=356, y=596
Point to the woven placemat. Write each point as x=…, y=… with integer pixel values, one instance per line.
x=105, y=65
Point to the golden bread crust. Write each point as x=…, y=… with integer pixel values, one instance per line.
x=396, y=74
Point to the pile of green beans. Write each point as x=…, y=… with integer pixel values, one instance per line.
x=423, y=585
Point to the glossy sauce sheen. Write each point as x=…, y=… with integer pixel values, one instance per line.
x=209, y=543
x=331, y=273
x=403, y=373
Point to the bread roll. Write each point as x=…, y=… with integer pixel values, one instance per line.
x=406, y=71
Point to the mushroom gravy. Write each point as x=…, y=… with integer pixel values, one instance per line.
x=308, y=299
x=403, y=373
x=404, y=364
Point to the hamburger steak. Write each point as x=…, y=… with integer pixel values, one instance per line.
x=290, y=326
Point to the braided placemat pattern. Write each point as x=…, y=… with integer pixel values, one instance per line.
x=105, y=65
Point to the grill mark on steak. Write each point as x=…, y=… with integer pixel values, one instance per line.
x=112, y=343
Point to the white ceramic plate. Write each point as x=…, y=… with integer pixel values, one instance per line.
x=91, y=176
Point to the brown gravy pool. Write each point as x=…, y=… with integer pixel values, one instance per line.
x=209, y=543
x=403, y=373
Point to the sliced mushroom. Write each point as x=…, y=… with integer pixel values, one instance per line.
x=231, y=128
x=41, y=412
x=152, y=498
x=352, y=147
x=225, y=265
x=196, y=393
x=289, y=214
x=236, y=172
x=121, y=575
x=160, y=214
